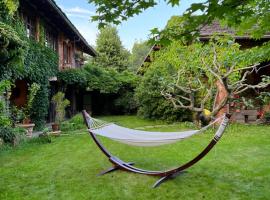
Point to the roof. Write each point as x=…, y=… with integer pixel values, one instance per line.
x=60, y=21
x=208, y=30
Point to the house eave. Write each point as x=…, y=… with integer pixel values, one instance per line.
x=90, y=50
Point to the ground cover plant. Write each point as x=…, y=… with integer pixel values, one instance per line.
x=238, y=167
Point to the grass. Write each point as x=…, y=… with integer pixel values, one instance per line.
x=237, y=168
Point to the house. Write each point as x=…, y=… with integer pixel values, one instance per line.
x=60, y=35
x=240, y=115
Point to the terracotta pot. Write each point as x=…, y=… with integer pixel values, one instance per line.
x=26, y=121
x=55, y=127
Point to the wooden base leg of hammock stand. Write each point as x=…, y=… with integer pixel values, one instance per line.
x=112, y=169
x=165, y=178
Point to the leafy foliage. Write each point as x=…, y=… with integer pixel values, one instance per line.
x=41, y=63
x=109, y=81
x=22, y=58
x=105, y=81
x=12, y=50
x=73, y=124
x=265, y=98
x=33, y=89
x=161, y=72
x=111, y=53
x=246, y=16
x=4, y=114
x=201, y=66
x=76, y=76
x=60, y=105
x=117, y=11
x=140, y=50
x=7, y=134
x=7, y=9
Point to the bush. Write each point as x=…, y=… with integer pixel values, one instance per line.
x=7, y=134
x=126, y=102
x=75, y=76
x=148, y=94
x=267, y=116
x=107, y=82
x=75, y=123
x=4, y=110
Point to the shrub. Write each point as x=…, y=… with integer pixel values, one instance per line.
x=4, y=110
x=148, y=94
x=7, y=134
x=75, y=123
x=60, y=105
x=267, y=116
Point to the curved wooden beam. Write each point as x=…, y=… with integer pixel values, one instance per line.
x=165, y=175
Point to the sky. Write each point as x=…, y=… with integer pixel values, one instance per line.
x=136, y=28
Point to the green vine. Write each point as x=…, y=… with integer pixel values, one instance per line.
x=74, y=77
x=41, y=63
x=27, y=60
x=12, y=51
x=41, y=32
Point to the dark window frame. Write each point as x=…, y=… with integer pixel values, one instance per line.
x=50, y=39
x=30, y=23
x=66, y=53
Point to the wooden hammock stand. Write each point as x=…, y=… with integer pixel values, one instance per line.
x=118, y=164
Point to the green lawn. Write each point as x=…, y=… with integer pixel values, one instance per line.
x=237, y=168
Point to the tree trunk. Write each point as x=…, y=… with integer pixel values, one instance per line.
x=222, y=93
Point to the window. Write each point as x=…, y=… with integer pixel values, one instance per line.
x=66, y=53
x=50, y=39
x=30, y=25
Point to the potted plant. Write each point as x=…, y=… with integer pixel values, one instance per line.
x=26, y=111
x=60, y=105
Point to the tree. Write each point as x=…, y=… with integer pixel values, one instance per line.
x=155, y=79
x=203, y=67
x=111, y=52
x=218, y=63
x=139, y=51
x=242, y=15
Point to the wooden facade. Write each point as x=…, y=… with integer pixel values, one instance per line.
x=60, y=34
x=45, y=22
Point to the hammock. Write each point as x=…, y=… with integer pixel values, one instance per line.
x=138, y=137
x=144, y=138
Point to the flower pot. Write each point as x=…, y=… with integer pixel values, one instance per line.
x=55, y=127
x=26, y=121
x=28, y=127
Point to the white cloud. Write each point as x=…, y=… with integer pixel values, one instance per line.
x=77, y=12
x=78, y=16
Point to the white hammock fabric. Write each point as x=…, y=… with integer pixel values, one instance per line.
x=138, y=137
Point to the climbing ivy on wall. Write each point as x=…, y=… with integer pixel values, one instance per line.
x=41, y=32
x=22, y=58
x=7, y=9
x=41, y=63
x=12, y=51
